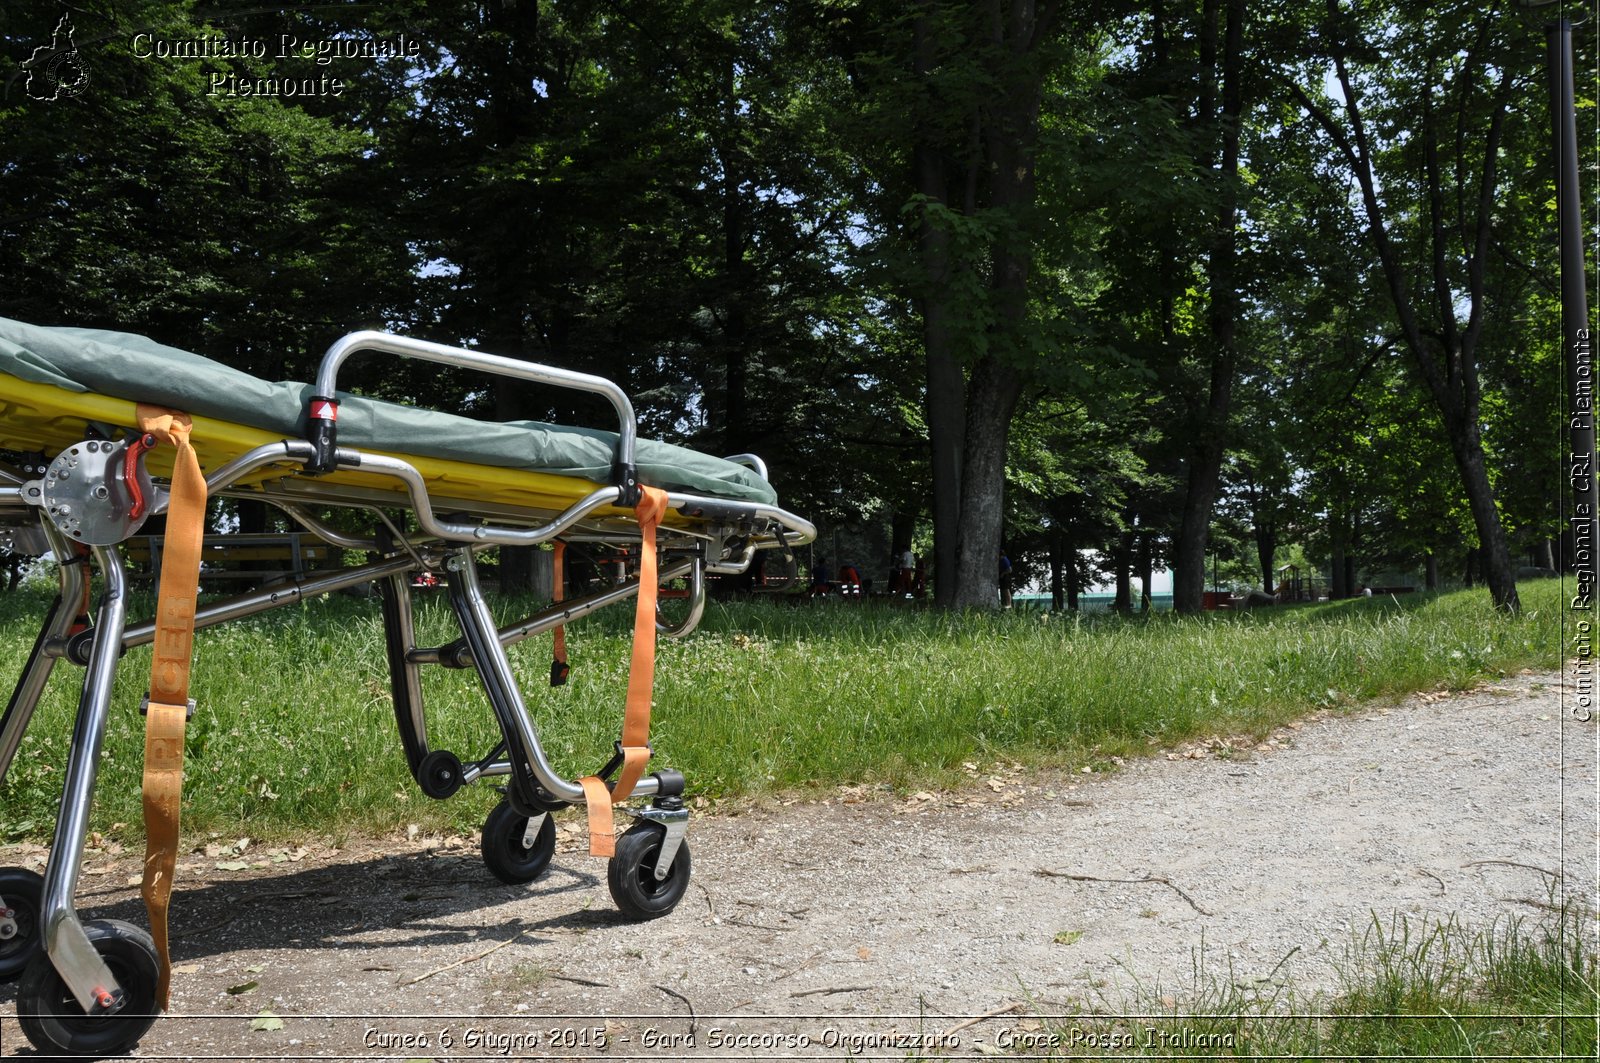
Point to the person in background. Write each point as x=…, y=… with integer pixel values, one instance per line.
x=905, y=582
x=819, y=577
x=849, y=579
x=1005, y=580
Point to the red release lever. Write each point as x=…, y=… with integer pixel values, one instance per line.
x=130, y=472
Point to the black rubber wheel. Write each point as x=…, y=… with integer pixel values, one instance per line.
x=505, y=852
x=439, y=774
x=21, y=892
x=51, y=1018
x=632, y=873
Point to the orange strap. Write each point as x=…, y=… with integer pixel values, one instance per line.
x=168, y=710
x=641, y=685
x=559, y=667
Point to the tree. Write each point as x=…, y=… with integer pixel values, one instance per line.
x=1429, y=178
x=951, y=95
x=230, y=225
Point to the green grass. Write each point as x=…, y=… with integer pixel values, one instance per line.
x=295, y=730
x=1520, y=989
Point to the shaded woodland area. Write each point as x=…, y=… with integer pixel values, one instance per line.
x=1196, y=284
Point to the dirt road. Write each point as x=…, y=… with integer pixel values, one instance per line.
x=813, y=927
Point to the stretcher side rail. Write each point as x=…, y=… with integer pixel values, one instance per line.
x=422, y=505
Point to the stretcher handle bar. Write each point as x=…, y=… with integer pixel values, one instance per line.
x=251, y=460
x=752, y=460
x=457, y=654
x=417, y=488
x=406, y=347
x=296, y=450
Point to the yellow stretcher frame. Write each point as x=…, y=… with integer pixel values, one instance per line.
x=45, y=417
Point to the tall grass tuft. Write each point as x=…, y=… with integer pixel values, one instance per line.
x=1523, y=990
x=296, y=731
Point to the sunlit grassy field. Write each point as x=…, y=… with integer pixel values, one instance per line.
x=295, y=730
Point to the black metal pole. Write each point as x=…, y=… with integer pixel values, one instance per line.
x=1577, y=340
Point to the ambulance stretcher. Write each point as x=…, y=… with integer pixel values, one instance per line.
x=108, y=429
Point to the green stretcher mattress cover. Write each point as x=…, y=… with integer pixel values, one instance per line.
x=126, y=366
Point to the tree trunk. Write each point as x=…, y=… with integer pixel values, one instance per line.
x=1498, y=572
x=735, y=329
x=1069, y=567
x=1267, y=552
x=1430, y=571
x=902, y=526
x=992, y=398
x=1146, y=566
x=1338, y=585
x=254, y=520
x=1058, y=598
x=1122, y=562
x=946, y=391
x=1206, y=453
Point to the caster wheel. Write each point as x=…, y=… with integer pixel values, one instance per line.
x=509, y=854
x=439, y=774
x=20, y=899
x=632, y=873
x=51, y=1018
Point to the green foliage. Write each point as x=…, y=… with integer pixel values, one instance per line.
x=719, y=206
x=237, y=226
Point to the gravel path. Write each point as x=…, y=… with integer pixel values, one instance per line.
x=826, y=920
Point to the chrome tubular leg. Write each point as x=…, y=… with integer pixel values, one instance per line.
x=405, y=677
x=81, y=967
x=36, y=672
x=499, y=683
